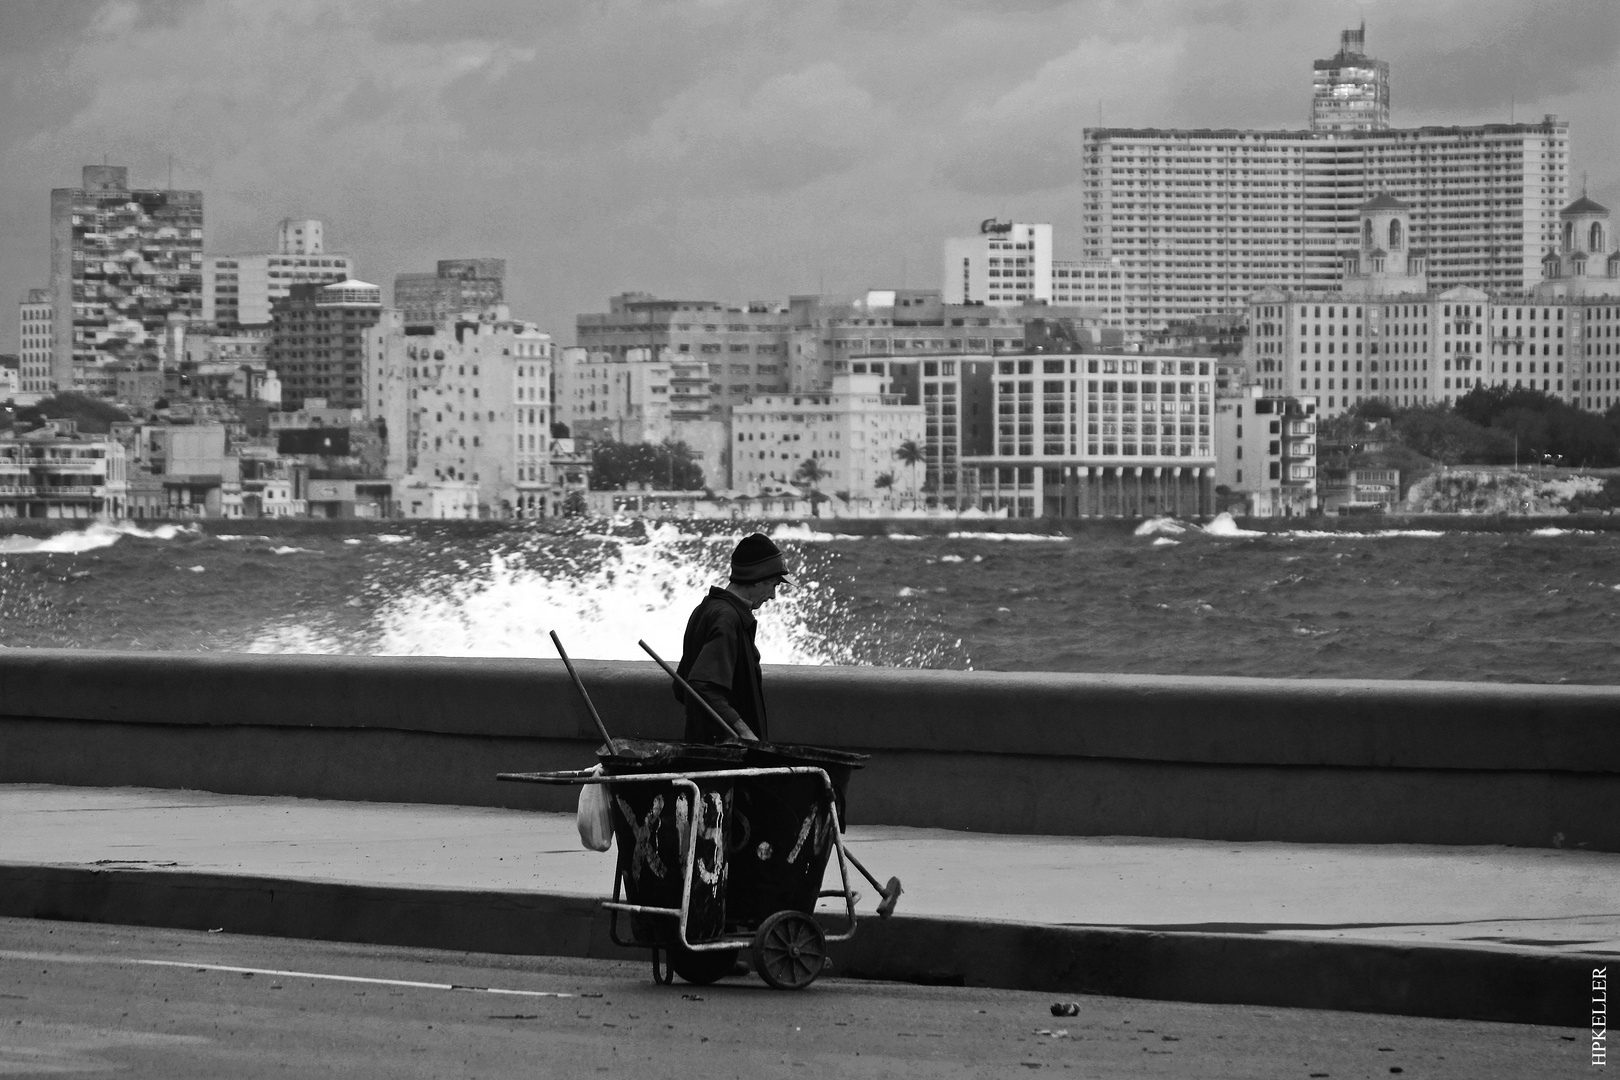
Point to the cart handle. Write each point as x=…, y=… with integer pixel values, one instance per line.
x=686, y=688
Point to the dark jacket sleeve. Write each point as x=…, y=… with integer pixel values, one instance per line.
x=716, y=659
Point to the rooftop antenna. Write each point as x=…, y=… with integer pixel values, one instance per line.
x=171, y=172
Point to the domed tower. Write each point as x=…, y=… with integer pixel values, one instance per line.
x=1385, y=263
x=1586, y=262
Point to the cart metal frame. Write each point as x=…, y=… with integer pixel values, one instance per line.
x=688, y=781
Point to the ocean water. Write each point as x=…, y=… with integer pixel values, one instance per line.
x=1527, y=605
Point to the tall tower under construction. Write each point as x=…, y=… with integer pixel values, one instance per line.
x=1351, y=89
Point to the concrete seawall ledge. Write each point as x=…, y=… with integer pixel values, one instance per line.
x=1230, y=758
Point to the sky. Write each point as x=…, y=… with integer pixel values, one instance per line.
x=731, y=150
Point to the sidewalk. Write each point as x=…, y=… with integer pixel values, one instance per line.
x=1509, y=902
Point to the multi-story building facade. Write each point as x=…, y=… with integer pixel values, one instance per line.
x=1008, y=262
x=1014, y=263
x=851, y=432
x=744, y=346
x=1265, y=450
x=1351, y=89
x=56, y=472
x=1199, y=220
x=1082, y=434
x=318, y=342
x=637, y=396
x=1388, y=334
x=899, y=325
x=35, y=342
x=125, y=263
x=456, y=286
x=242, y=290
x=468, y=404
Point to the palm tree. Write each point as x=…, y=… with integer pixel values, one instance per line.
x=911, y=455
x=810, y=473
x=884, y=482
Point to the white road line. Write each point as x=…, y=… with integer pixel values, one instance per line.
x=72, y=959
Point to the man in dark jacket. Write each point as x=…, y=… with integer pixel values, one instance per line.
x=718, y=656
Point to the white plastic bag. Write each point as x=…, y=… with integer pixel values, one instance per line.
x=594, y=817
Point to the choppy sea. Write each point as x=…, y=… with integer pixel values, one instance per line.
x=1520, y=605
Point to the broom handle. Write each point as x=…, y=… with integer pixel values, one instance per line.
x=613, y=748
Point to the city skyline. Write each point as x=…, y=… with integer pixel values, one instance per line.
x=599, y=150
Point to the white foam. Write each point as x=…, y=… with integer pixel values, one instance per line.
x=805, y=534
x=392, y=538
x=1007, y=536
x=1165, y=541
x=905, y=536
x=97, y=535
x=288, y=550
x=600, y=604
x=1154, y=526
x=1224, y=525
x=950, y=558
x=907, y=590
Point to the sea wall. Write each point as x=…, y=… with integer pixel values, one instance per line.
x=1218, y=758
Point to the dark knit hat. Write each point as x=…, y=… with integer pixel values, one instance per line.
x=756, y=559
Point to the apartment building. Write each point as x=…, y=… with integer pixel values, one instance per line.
x=318, y=342
x=1200, y=219
x=242, y=290
x=35, y=342
x=851, y=432
x=468, y=409
x=125, y=263
x=455, y=286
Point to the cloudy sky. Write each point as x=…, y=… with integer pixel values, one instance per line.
x=727, y=149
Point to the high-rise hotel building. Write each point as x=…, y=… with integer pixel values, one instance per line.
x=1201, y=219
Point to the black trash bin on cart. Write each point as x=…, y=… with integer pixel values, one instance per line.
x=778, y=844
x=652, y=825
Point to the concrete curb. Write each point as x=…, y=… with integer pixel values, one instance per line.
x=1447, y=982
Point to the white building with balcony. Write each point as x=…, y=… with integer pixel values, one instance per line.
x=1265, y=451
x=55, y=472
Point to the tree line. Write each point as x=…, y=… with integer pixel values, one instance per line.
x=1489, y=425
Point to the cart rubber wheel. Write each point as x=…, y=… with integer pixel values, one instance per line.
x=790, y=950
x=700, y=968
x=665, y=975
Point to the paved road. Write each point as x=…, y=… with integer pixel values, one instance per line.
x=175, y=1004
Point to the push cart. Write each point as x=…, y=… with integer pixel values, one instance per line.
x=723, y=848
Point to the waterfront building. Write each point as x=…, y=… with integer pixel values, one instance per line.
x=1265, y=451
x=318, y=342
x=35, y=343
x=456, y=286
x=57, y=472
x=468, y=403
x=1201, y=219
x=1079, y=434
x=242, y=290
x=850, y=431
x=10, y=377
